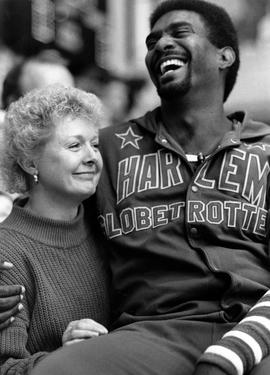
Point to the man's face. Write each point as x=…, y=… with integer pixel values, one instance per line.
x=180, y=56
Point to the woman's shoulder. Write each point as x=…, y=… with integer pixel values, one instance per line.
x=14, y=249
x=12, y=243
x=14, y=230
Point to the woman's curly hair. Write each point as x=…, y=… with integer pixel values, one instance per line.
x=29, y=123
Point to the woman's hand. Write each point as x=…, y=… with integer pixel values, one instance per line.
x=82, y=329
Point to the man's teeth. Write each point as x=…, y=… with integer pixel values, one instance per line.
x=171, y=65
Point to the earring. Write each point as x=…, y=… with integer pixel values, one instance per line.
x=35, y=176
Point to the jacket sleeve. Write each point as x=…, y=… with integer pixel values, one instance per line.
x=243, y=347
x=15, y=355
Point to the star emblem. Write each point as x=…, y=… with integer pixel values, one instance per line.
x=129, y=138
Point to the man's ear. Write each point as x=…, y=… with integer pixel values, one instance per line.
x=226, y=57
x=29, y=166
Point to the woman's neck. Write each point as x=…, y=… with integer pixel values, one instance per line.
x=56, y=209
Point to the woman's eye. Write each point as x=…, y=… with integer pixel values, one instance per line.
x=74, y=146
x=94, y=143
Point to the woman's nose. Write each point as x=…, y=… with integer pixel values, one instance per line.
x=91, y=153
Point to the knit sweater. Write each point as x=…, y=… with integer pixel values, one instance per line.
x=243, y=347
x=66, y=278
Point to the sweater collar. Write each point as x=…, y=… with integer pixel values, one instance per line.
x=57, y=233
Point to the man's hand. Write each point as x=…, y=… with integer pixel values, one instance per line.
x=10, y=298
x=82, y=329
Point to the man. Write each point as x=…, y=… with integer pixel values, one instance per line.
x=183, y=202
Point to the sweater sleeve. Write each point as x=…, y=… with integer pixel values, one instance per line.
x=241, y=348
x=15, y=356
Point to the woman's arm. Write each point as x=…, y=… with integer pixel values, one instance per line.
x=10, y=298
x=241, y=348
x=15, y=356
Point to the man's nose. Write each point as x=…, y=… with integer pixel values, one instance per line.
x=165, y=42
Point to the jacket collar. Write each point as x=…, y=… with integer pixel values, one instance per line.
x=244, y=127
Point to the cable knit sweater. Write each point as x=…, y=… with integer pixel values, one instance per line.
x=66, y=278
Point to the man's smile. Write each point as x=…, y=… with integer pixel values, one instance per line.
x=171, y=65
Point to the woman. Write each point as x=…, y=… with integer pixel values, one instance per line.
x=52, y=157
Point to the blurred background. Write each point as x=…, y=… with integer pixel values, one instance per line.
x=101, y=42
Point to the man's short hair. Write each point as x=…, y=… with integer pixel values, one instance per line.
x=221, y=31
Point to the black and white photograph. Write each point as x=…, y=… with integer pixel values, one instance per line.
x=134, y=187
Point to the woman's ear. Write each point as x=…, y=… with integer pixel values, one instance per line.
x=226, y=57
x=29, y=166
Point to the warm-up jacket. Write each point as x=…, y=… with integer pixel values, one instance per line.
x=187, y=243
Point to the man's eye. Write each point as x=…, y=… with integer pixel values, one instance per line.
x=150, y=44
x=180, y=32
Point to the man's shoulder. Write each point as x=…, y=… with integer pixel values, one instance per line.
x=145, y=121
x=112, y=129
x=251, y=128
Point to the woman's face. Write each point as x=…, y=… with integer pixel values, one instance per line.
x=70, y=164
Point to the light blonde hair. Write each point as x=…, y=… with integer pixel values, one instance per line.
x=29, y=123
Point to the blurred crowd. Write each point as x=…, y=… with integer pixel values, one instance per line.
x=19, y=75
